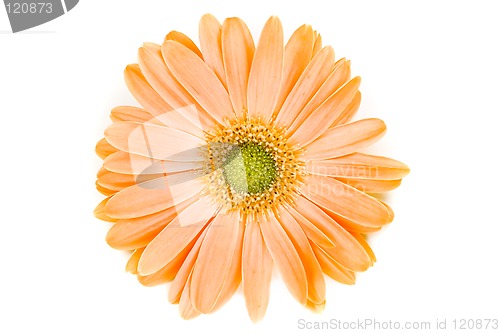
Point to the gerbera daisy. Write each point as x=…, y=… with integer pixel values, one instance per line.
x=243, y=157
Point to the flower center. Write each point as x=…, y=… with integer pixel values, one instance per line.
x=251, y=167
x=248, y=168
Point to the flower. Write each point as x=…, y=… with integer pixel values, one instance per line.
x=242, y=158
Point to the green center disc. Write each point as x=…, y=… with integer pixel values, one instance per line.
x=248, y=168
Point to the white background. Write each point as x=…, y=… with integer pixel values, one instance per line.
x=430, y=70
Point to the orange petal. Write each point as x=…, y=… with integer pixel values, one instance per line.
x=210, y=42
x=389, y=209
x=214, y=260
x=361, y=240
x=184, y=40
x=314, y=307
x=158, y=142
x=308, y=84
x=257, y=268
x=359, y=165
x=103, y=190
x=184, y=273
x=348, y=112
x=130, y=113
x=186, y=308
x=233, y=278
x=237, y=50
x=317, y=43
x=129, y=234
x=315, y=281
x=174, y=237
x=345, y=202
x=267, y=70
x=321, y=118
x=161, y=79
x=331, y=268
x=298, y=53
x=371, y=185
x=100, y=213
x=143, y=92
x=153, y=196
x=345, y=139
x=347, y=251
x=286, y=258
x=311, y=230
x=168, y=272
x=116, y=181
x=198, y=79
x=104, y=149
x=123, y=162
x=134, y=261
x=340, y=74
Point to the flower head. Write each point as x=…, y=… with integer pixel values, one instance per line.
x=243, y=157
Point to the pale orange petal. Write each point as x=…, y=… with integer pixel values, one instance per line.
x=210, y=43
x=133, y=261
x=161, y=79
x=174, y=237
x=143, y=92
x=345, y=139
x=233, y=278
x=348, y=112
x=116, y=181
x=158, y=75
x=347, y=251
x=298, y=53
x=237, y=50
x=266, y=73
x=340, y=74
x=314, y=307
x=184, y=273
x=198, y=79
x=358, y=165
x=130, y=113
x=132, y=164
x=286, y=258
x=317, y=43
x=104, y=191
x=331, y=268
x=321, y=118
x=214, y=260
x=371, y=185
x=184, y=40
x=308, y=84
x=168, y=272
x=153, y=196
x=345, y=202
x=103, y=149
x=129, y=234
x=158, y=142
x=389, y=209
x=315, y=282
x=257, y=268
x=186, y=308
x=100, y=212
x=361, y=240
x=311, y=230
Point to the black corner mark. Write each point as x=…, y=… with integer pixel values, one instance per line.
x=26, y=14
